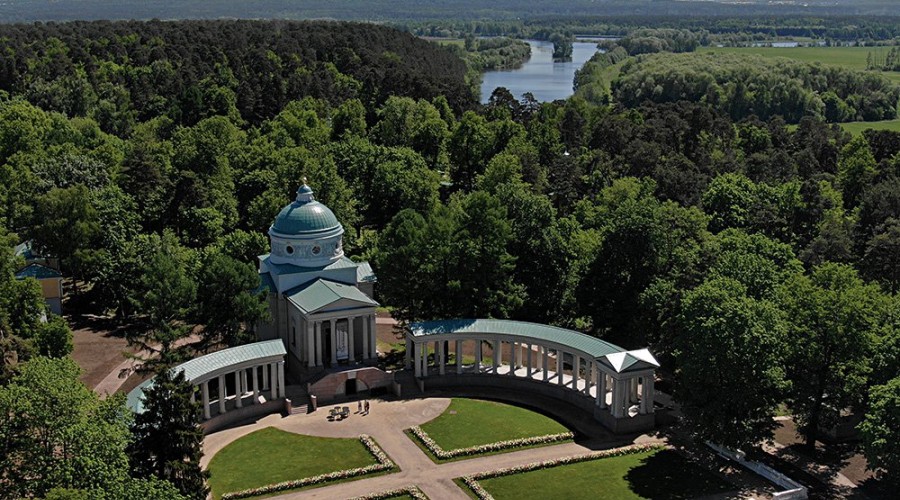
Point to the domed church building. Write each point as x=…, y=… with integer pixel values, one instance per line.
x=320, y=301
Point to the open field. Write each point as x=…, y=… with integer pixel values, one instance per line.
x=848, y=57
x=286, y=456
x=655, y=474
x=472, y=422
x=857, y=128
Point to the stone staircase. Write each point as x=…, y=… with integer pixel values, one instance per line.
x=299, y=399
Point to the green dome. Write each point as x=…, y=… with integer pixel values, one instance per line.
x=304, y=216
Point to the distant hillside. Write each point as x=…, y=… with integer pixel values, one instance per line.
x=394, y=10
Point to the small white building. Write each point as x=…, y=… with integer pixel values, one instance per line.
x=320, y=301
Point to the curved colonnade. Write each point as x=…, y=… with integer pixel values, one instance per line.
x=230, y=379
x=620, y=382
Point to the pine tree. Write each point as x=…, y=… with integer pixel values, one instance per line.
x=168, y=437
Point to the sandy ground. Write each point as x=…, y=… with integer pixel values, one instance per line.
x=99, y=346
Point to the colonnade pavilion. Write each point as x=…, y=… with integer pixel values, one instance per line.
x=322, y=324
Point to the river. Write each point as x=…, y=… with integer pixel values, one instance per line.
x=540, y=75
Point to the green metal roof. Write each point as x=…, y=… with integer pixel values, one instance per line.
x=576, y=340
x=611, y=355
x=25, y=251
x=37, y=271
x=305, y=218
x=320, y=293
x=198, y=368
x=280, y=269
x=364, y=273
x=203, y=368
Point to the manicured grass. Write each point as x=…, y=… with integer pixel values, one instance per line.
x=857, y=128
x=655, y=474
x=270, y=456
x=848, y=57
x=472, y=422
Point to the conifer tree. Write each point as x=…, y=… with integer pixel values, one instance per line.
x=168, y=437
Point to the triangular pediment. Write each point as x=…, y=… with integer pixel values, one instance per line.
x=322, y=295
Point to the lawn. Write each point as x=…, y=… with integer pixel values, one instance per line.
x=472, y=422
x=270, y=456
x=848, y=57
x=655, y=474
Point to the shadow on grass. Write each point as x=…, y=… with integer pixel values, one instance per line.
x=669, y=475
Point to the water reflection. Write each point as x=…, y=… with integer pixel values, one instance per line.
x=540, y=75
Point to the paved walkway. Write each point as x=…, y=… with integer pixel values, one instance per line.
x=385, y=423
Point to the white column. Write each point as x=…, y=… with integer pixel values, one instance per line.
x=282, y=388
x=417, y=352
x=265, y=376
x=514, y=351
x=459, y=357
x=256, y=384
x=440, y=356
x=408, y=356
x=528, y=360
x=633, y=390
x=545, y=354
x=560, y=356
x=221, y=393
x=333, y=342
x=576, y=367
x=373, y=339
x=478, y=346
x=424, y=358
x=204, y=393
x=274, y=392
x=317, y=336
x=238, y=390
x=498, y=354
x=589, y=377
x=601, y=389
x=310, y=344
x=351, y=342
x=647, y=394
x=365, y=337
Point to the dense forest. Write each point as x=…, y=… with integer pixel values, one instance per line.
x=123, y=73
x=743, y=85
x=698, y=222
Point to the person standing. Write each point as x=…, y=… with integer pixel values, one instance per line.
x=359, y=406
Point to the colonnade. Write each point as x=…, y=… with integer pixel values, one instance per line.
x=264, y=378
x=315, y=339
x=614, y=391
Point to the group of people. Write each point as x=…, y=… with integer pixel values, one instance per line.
x=362, y=406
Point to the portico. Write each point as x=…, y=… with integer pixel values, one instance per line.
x=619, y=383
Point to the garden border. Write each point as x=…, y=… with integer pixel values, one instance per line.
x=411, y=490
x=442, y=454
x=384, y=464
x=471, y=480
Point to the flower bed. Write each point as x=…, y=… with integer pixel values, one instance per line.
x=471, y=481
x=384, y=464
x=443, y=454
x=383, y=495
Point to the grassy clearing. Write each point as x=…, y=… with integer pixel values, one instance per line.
x=857, y=128
x=656, y=474
x=270, y=456
x=848, y=57
x=473, y=422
